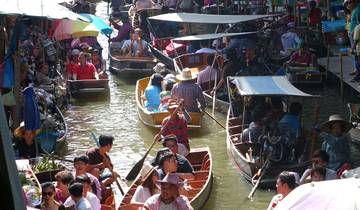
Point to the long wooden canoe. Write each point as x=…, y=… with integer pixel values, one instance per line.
x=200, y=188
x=220, y=105
x=354, y=132
x=124, y=66
x=78, y=88
x=154, y=119
x=239, y=153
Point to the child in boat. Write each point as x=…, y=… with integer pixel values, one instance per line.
x=152, y=93
x=165, y=95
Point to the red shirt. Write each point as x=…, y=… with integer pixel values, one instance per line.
x=178, y=127
x=315, y=17
x=304, y=58
x=85, y=72
x=71, y=68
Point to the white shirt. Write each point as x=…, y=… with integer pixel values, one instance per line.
x=206, y=50
x=206, y=75
x=141, y=195
x=90, y=198
x=182, y=150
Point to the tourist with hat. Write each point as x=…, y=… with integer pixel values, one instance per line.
x=188, y=90
x=148, y=187
x=335, y=142
x=178, y=124
x=169, y=197
x=152, y=93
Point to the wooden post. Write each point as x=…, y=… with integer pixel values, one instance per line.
x=327, y=62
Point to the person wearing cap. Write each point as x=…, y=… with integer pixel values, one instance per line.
x=169, y=197
x=178, y=124
x=152, y=93
x=319, y=158
x=85, y=70
x=285, y=183
x=290, y=40
x=88, y=195
x=123, y=30
x=148, y=187
x=170, y=142
x=208, y=75
x=189, y=91
x=165, y=95
x=335, y=142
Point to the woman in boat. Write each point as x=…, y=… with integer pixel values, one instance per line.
x=152, y=93
x=48, y=202
x=335, y=142
x=99, y=63
x=148, y=188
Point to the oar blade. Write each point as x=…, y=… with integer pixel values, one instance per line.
x=135, y=170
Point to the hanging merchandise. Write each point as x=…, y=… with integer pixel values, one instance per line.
x=8, y=78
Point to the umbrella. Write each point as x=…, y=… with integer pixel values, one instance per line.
x=330, y=195
x=99, y=24
x=31, y=110
x=37, y=8
x=66, y=29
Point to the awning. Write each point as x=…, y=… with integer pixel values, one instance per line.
x=210, y=36
x=37, y=8
x=99, y=24
x=266, y=86
x=204, y=18
x=330, y=195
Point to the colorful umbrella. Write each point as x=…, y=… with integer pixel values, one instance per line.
x=98, y=23
x=67, y=29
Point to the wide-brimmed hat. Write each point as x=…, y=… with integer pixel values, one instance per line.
x=173, y=179
x=186, y=75
x=146, y=171
x=336, y=118
x=159, y=67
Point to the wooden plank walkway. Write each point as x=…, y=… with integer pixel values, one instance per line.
x=334, y=68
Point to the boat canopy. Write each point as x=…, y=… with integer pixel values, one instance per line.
x=266, y=86
x=204, y=18
x=211, y=36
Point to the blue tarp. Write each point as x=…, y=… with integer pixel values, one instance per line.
x=31, y=110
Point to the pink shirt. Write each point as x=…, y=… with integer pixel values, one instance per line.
x=181, y=203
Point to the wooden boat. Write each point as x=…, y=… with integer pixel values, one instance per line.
x=201, y=160
x=154, y=119
x=304, y=75
x=130, y=66
x=78, y=88
x=247, y=155
x=354, y=132
x=220, y=105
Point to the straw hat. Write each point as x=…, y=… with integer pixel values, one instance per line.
x=146, y=171
x=159, y=67
x=173, y=179
x=336, y=118
x=186, y=75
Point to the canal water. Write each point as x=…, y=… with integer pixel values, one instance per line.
x=117, y=116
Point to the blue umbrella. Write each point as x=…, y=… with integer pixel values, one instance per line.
x=99, y=24
x=31, y=110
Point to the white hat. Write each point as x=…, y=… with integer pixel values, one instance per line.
x=159, y=67
x=186, y=75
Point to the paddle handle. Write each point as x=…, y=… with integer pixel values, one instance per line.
x=262, y=171
x=214, y=119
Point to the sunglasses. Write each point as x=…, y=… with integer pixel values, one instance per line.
x=47, y=194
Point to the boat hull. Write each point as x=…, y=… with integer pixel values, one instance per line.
x=220, y=105
x=79, y=88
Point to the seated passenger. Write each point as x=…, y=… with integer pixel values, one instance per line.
x=209, y=74
x=63, y=180
x=289, y=40
x=152, y=93
x=148, y=187
x=335, y=142
x=320, y=158
x=123, y=30
x=165, y=95
x=72, y=64
x=188, y=90
x=255, y=129
x=175, y=163
x=292, y=119
x=136, y=47
x=205, y=47
x=318, y=173
x=302, y=58
x=170, y=142
x=98, y=62
x=85, y=70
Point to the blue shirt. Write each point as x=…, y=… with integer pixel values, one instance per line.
x=337, y=148
x=293, y=122
x=152, y=95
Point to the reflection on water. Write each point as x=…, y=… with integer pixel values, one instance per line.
x=118, y=116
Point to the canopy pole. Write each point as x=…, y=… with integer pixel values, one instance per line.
x=229, y=96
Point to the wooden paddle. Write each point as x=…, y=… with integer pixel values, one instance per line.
x=262, y=172
x=137, y=167
x=112, y=168
x=214, y=119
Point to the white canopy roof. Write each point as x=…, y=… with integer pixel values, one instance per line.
x=210, y=36
x=204, y=18
x=37, y=8
x=266, y=86
x=330, y=195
